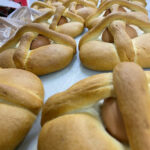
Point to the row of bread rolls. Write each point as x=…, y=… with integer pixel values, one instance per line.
x=38, y=49
x=42, y=47
x=68, y=119
x=68, y=123
x=118, y=31
x=73, y=119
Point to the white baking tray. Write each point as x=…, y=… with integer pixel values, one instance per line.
x=54, y=83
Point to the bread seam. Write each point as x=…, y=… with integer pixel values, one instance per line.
x=15, y=105
x=26, y=59
x=23, y=89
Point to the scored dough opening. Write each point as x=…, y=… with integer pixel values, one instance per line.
x=39, y=41
x=62, y=20
x=79, y=6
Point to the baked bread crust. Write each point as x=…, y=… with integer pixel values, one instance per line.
x=42, y=60
x=72, y=20
x=139, y=2
x=41, y=6
x=113, y=6
x=21, y=97
x=82, y=8
x=55, y=3
x=68, y=123
x=99, y=55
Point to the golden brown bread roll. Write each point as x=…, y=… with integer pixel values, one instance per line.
x=55, y=3
x=21, y=97
x=52, y=20
x=132, y=91
x=41, y=6
x=108, y=11
x=107, y=36
x=71, y=119
x=83, y=8
x=139, y=2
x=18, y=52
x=47, y=5
x=97, y=54
x=112, y=6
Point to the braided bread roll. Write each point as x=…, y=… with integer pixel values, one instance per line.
x=42, y=6
x=63, y=21
x=47, y=5
x=37, y=49
x=55, y=3
x=83, y=8
x=139, y=2
x=99, y=54
x=115, y=6
x=21, y=97
x=71, y=119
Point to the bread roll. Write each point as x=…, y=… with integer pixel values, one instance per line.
x=21, y=97
x=72, y=120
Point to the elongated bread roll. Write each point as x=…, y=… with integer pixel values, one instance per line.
x=21, y=97
x=72, y=120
